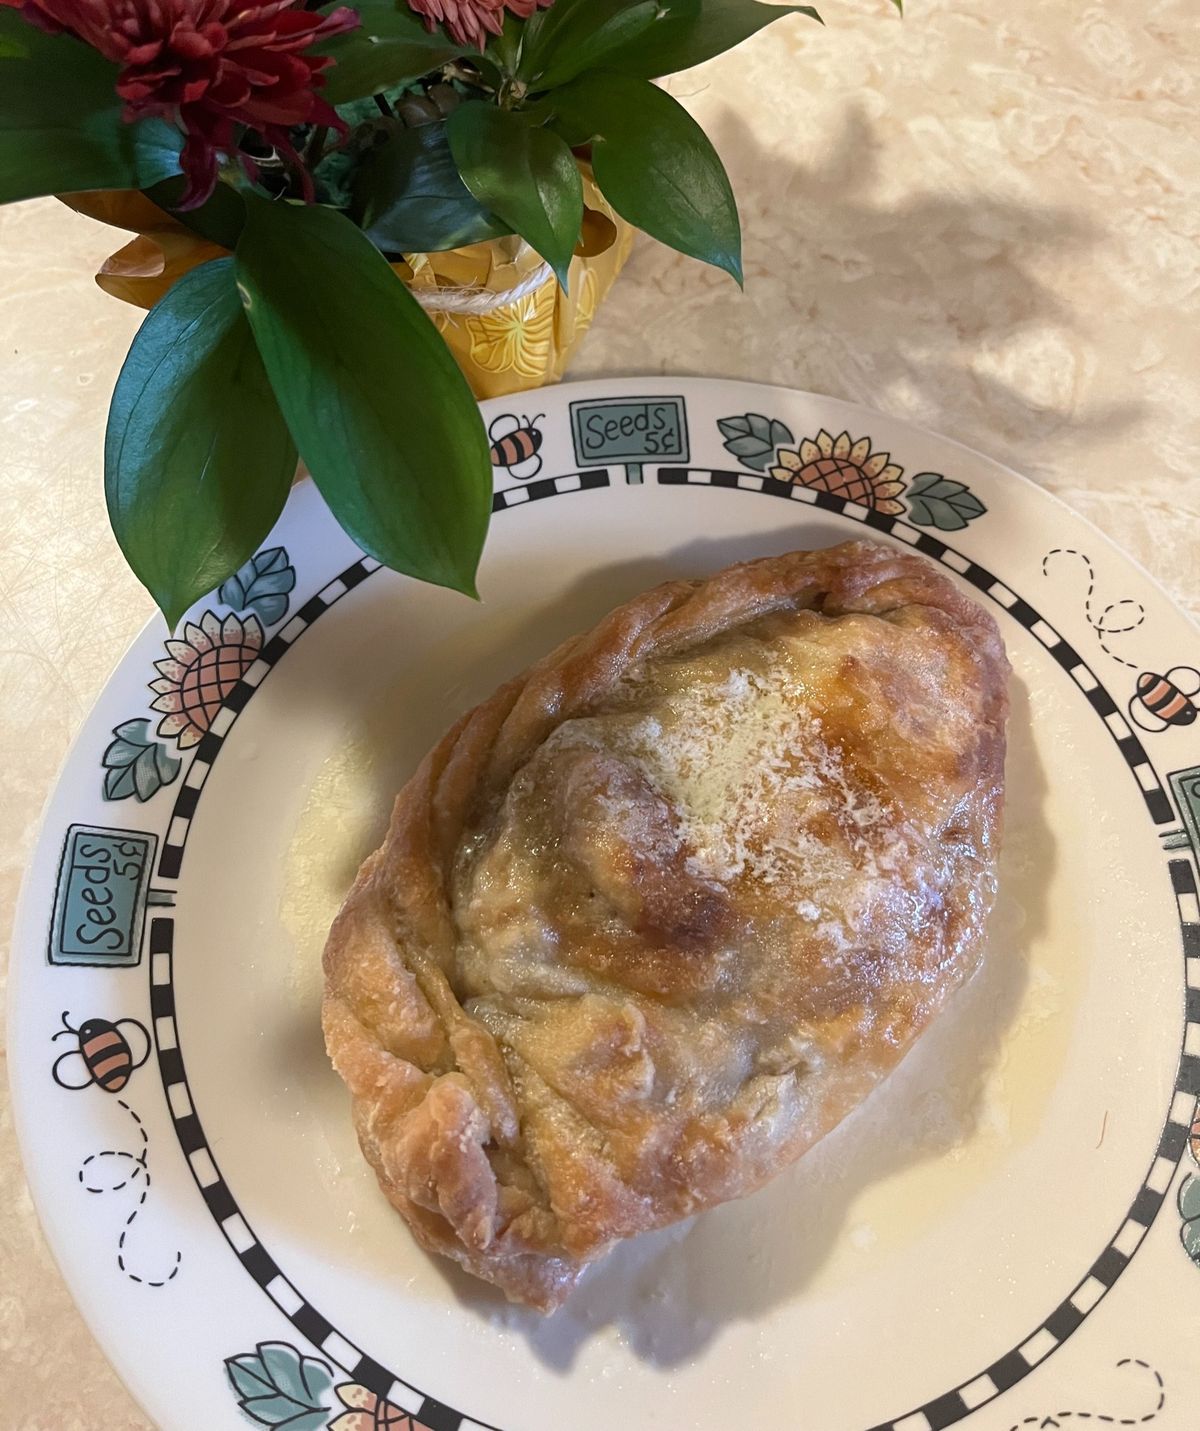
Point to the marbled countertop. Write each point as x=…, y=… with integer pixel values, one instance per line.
x=984, y=218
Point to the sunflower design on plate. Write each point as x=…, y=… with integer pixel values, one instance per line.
x=200, y=671
x=845, y=469
x=367, y=1412
x=196, y=674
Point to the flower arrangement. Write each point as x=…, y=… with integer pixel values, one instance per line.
x=313, y=153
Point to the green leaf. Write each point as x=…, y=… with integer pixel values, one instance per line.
x=382, y=415
x=579, y=35
x=335, y=172
x=280, y=1410
x=280, y=1387
x=317, y=1379
x=526, y=176
x=936, y=501
x=688, y=32
x=197, y=460
x=391, y=47
x=1189, y=1200
x=655, y=165
x=60, y=120
x=389, y=20
x=365, y=65
x=502, y=51
x=262, y=586
x=1189, y=1235
x=753, y=438
x=136, y=764
x=409, y=197
x=219, y=219
x=247, y=1376
x=285, y=1366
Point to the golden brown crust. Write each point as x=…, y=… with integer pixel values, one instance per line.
x=564, y=1013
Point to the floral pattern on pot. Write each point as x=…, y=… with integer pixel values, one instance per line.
x=517, y=338
x=196, y=673
x=849, y=468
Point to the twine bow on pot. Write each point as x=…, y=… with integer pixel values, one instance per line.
x=497, y=304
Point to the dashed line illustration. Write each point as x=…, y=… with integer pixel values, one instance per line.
x=1048, y=1422
x=106, y=1057
x=1158, y=701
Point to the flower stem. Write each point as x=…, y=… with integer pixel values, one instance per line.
x=315, y=148
x=511, y=93
x=507, y=49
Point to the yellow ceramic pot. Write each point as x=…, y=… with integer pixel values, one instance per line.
x=502, y=313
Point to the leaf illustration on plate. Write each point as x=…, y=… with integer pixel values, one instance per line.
x=936, y=501
x=753, y=438
x=262, y=586
x=277, y=1385
x=136, y=764
x=1189, y=1210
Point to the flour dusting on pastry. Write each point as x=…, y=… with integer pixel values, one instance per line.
x=657, y=916
x=735, y=756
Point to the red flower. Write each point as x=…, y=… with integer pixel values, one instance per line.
x=209, y=66
x=471, y=21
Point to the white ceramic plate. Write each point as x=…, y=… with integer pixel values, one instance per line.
x=1004, y=1233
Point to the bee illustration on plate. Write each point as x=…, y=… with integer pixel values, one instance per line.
x=1162, y=701
x=1158, y=702
x=105, y=1055
x=516, y=444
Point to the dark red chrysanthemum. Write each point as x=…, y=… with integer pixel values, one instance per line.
x=470, y=22
x=210, y=66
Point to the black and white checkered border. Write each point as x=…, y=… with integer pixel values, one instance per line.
x=941, y=1412
x=1131, y=748
x=237, y=1231
x=550, y=487
x=170, y=860
x=945, y=1410
x=192, y=1140
x=970, y=1396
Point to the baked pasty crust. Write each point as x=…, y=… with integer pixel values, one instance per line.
x=654, y=918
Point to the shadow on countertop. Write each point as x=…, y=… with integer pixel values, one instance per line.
x=935, y=306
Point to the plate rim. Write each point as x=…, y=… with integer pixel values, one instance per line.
x=109, y=1344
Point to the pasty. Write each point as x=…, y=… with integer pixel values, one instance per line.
x=654, y=918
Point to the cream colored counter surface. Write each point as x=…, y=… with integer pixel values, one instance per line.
x=984, y=218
